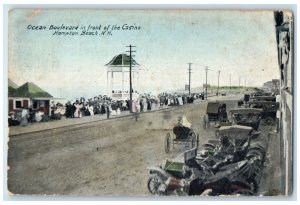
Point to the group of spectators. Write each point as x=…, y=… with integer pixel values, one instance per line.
x=25, y=116
x=99, y=105
x=178, y=99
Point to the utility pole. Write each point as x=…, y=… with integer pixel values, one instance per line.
x=190, y=69
x=230, y=81
x=206, y=69
x=218, y=82
x=130, y=77
x=239, y=81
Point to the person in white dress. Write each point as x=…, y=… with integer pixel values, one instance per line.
x=91, y=109
x=24, y=115
x=77, y=113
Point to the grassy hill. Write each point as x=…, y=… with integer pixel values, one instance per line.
x=233, y=89
x=223, y=89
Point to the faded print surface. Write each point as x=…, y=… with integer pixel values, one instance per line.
x=234, y=41
x=195, y=69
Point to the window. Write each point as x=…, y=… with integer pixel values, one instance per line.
x=18, y=104
x=35, y=106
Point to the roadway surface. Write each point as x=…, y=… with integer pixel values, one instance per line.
x=102, y=158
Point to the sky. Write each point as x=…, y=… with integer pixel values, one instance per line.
x=240, y=44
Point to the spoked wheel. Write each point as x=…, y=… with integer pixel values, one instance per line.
x=255, y=178
x=269, y=121
x=193, y=139
x=209, y=147
x=244, y=192
x=217, y=133
x=205, y=122
x=198, y=140
x=243, y=189
x=256, y=153
x=168, y=142
x=153, y=184
x=253, y=186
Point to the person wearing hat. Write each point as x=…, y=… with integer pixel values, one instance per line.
x=24, y=114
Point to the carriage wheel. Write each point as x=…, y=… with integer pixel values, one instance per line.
x=255, y=152
x=193, y=139
x=168, y=142
x=153, y=184
x=217, y=132
x=205, y=122
x=193, y=142
x=269, y=121
x=198, y=140
x=244, y=189
x=244, y=192
x=209, y=147
x=253, y=186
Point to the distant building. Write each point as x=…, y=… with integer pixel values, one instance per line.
x=29, y=95
x=272, y=86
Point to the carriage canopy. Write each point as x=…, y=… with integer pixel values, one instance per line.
x=235, y=131
x=246, y=111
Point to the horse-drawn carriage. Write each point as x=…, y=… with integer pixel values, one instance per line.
x=182, y=135
x=244, y=101
x=242, y=116
x=232, y=165
x=246, y=117
x=215, y=112
x=269, y=98
x=269, y=109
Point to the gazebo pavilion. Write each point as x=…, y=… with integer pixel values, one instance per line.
x=118, y=77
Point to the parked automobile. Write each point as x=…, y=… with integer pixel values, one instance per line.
x=246, y=116
x=231, y=166
x=269, y=110
x=215, y=112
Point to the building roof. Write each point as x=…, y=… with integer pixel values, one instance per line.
x=30, y=90
x=12, y=84
x=122, y=60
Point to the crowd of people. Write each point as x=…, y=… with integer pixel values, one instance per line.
x=178, y=99
x=99, y=105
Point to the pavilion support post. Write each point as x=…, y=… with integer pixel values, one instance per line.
x=111, y=83
x=107, y=89
x=122, y=83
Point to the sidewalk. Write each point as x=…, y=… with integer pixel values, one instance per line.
x=272, y=172
x=65, y=122
x=39, y=126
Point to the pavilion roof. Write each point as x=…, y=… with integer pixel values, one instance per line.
x=122, y=60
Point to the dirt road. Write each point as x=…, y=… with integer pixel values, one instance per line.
x=106, y=158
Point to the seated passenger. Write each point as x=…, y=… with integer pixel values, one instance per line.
x=181, y=132
x=12, y=120
x=182, y=128
x=226, y=148
x=39, y=116
x=223, y=155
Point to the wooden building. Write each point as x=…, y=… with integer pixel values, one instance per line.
x=29, y=95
